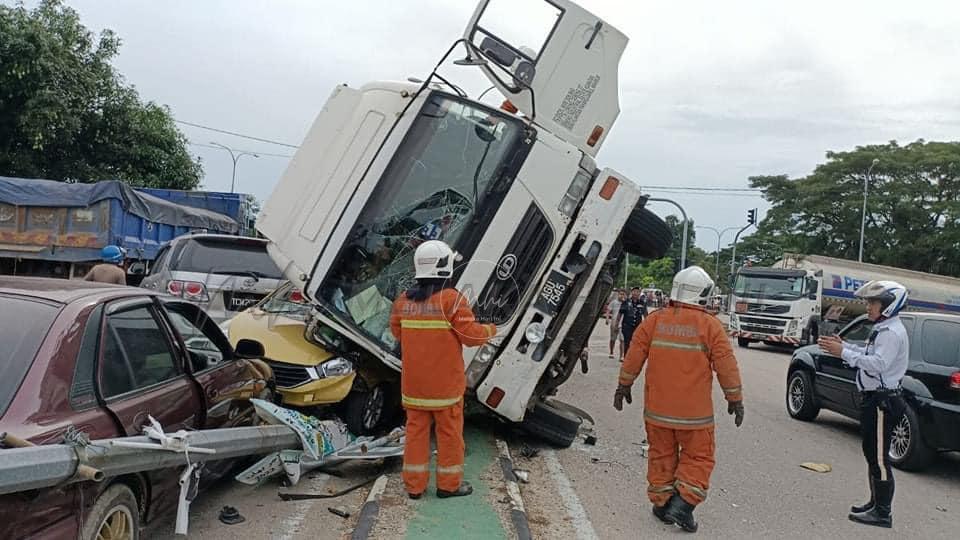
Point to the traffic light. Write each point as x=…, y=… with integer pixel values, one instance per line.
x=752, y=216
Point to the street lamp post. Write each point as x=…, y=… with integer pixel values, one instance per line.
x=235, y=156
x=719, y=237
x=863, y=218
x=683, y=248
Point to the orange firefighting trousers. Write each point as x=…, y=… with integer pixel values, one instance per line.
x=679, y=461
x=416, y=453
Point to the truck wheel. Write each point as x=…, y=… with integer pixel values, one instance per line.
x=908, y=450
x=554, y=425
x=115, y=516
x=365, y=409
x=743, y=342
x=801, y=403
x=646, y=235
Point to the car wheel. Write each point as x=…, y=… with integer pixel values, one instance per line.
x=114, y=516
x=364, y=409
x=908, y=451
x=743, y=342
x=801, y=403
x=554, y=425
x=646, y=235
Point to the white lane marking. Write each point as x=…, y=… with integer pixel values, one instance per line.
x=290, y=524
x=578, y=515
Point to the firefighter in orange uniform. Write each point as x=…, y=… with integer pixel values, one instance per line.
x=433, y=324
x=681, y=346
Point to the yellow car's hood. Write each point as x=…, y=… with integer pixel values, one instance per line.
x=282, y=337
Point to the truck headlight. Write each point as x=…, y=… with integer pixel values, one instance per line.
x=335, y=367
x=792, y=327
x=480, y=362
x=575, y=193
x=535, y=332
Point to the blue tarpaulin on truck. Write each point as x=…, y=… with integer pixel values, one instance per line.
x=30, y=192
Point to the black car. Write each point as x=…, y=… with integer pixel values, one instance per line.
x=931, y=388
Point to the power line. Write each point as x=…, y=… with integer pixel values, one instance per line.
x=238, y=150
x=701, y=188
x=235, y=134
x=710, y=193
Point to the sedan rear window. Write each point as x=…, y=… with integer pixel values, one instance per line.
x=23, y=325
x=227, y=257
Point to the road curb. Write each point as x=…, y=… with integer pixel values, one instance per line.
x=518, y=515
x=369, y=511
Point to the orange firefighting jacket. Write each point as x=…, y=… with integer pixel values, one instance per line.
x=682, y=346
x=432, y=335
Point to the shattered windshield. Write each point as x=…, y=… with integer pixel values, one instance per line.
x=772, y=287
x=438, y=183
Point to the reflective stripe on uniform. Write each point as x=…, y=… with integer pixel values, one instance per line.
x=430, y=403
x=880, y=452
x=452, y=469
x=702, y=421
x=696, y=490
x=732, y=390
x=425, y=325
x=416, y=468
x=661, y=489
x=667, y=344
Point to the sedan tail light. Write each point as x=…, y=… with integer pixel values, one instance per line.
x=955, y=381
x=188, y=290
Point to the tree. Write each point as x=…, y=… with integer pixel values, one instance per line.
x=66, y=114
x=913, y=207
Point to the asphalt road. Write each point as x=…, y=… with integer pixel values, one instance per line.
x=758, y=488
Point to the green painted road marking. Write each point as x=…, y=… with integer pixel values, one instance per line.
x=466, y=518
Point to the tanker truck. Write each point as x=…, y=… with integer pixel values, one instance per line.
x=802, y=297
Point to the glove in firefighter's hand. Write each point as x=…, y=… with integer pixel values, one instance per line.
x=736, y=408
x=623, y=392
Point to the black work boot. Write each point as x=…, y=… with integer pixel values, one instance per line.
x=879, y=515
x=462, y=491
x=661, y=511
x=868, y=506
x=680, y=512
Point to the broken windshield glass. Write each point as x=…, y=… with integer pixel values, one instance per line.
x=438, y=183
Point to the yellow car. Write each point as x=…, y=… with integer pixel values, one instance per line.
x=308, y=375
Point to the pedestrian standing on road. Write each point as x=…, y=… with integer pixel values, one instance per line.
x=881, y=364
x=111, y=269
x=613, y=320
x=432, y=323
x=681, y=346
x=630, y=316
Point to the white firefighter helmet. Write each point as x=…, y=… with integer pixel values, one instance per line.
x=692, y=286
x=434, y=259
x=892, y=296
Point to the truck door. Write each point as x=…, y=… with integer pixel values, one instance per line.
x=555, y=61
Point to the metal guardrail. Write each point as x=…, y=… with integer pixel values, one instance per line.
x=36, y=467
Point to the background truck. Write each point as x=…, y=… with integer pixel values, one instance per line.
x=804, y=296
x=56, y=229
x=516, y=191
x=242, y=207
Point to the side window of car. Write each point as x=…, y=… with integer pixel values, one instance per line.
x=161, y=260
x=204, y=353
x=136, y=353
x=941, y=343
x=858, y=332
x=81, y=390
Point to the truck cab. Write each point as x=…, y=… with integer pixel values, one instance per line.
x=775, y=305
x=514, y=190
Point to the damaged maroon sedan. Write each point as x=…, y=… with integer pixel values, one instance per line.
x=101, y=359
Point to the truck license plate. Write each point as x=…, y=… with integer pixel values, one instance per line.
x=553, y=293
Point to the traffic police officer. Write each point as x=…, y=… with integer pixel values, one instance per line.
x=881, y=364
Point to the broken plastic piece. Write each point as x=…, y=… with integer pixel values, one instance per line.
x=231, y=516
x=817, y=467
x=339, y=511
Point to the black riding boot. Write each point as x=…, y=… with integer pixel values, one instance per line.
x=879, y=515
x=680, y=512
x=868, y=506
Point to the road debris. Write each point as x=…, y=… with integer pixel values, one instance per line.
x=339, y=511
x=529, y=452
x=522, y=475
x=231, y=516
x=590, y=439
x=942, y=509
x=817, y=467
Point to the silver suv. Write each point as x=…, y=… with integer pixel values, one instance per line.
x=223, y=274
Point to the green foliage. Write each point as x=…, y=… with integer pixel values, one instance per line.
x=66, y=114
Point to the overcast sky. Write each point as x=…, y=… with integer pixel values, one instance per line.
x=711, y=92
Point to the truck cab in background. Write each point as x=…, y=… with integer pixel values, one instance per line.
x=542, y=230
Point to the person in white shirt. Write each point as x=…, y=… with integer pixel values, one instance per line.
x=613, y=309
x=881, y=364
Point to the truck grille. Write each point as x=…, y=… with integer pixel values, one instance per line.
x=761, y=325
x=519, y=263
x=767, y=309
x=288, y=375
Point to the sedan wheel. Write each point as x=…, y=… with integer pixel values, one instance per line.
x=796, y=394
x=900, y=441
x=801, y=402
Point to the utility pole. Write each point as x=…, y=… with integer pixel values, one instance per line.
x=235, y=157
x=719, y=237
x=863, y=218
x=683, y=247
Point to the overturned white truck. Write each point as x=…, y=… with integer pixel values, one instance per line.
x=514, y=190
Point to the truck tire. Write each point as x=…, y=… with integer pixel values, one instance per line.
x=115, y=514
x=646, y=235
x=801, y=403
x=743, y=342
x=908, y=450
x=554, y=425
